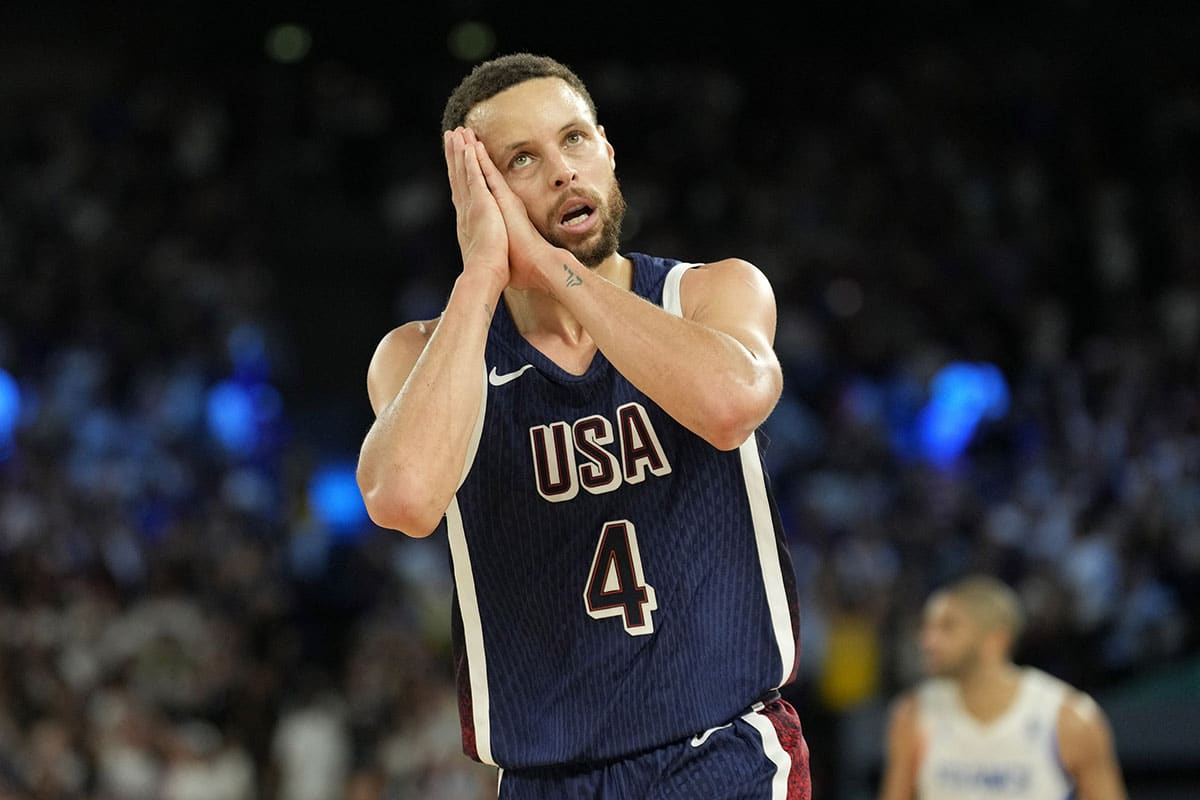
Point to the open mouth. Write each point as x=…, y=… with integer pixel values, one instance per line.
x=576, y=213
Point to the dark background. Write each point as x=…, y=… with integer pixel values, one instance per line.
x=1096, y=68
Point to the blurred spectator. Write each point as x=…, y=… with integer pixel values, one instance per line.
x=311, y=745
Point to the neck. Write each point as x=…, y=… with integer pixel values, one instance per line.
x=989, y=689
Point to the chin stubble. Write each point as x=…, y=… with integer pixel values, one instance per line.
x=609, y=238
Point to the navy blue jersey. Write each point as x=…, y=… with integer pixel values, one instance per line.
x=619, y=582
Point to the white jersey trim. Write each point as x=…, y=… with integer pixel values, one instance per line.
x=768, y=556
x=468, y=607
x=760, y=512
x=476, y=434
x=774, y=750
x=468, y=602
x=671, y=299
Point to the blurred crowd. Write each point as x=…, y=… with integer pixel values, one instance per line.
x=177, y=620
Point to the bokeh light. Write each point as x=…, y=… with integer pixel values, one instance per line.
x=10, y=412
x=471, y=41
x=241, y=415
x=288, y=43
x=336, y=501
x=963, y=396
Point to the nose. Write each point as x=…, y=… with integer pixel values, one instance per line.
x=561, y=171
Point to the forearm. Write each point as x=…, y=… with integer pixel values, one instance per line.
x=413, y=455
x=703, y=377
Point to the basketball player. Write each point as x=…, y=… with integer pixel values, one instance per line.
x=583, y=424
x=982, y=727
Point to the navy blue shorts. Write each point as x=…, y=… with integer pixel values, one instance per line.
x=760, y=755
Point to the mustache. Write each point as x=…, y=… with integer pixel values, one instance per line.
x=609, y=236
x=592, y=199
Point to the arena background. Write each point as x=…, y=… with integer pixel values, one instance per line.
x=982, y=225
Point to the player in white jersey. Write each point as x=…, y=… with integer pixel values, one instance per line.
x=981, y=727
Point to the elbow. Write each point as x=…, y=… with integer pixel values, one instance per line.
x=728, y=437
x=395, y=507
x=734, y=418
x=402, y=516
x=730, y=427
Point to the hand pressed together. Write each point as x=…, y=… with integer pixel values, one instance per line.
x=483, y=198
x=482, y=236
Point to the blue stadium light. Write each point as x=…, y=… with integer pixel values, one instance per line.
x=963, y=395
x=239, y=415
x=230, y=415
x=10, y=412
x=336, y=501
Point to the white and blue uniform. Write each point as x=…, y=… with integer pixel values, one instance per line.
x=1014, y=757
x=620, y=584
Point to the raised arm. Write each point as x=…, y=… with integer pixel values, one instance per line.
x=425, y=380
x=1086, y=744
x=425, y=383
x=714, y=369
x=901, y=751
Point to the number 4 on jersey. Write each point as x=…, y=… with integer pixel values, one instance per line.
x=616, y=586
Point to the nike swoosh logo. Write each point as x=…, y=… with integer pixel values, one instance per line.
x=702, y=738
x=496, y=379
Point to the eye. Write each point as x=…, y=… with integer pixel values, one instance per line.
x=574, y=137
x=519, y=160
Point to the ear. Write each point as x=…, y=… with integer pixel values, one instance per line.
x=612, y=154
x=999, y=641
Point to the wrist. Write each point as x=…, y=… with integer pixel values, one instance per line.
x=486, y=285
x=556, y=270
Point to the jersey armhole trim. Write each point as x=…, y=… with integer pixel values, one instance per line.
x=672, y=301
x=476, y=434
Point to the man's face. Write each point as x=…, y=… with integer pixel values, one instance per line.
x=950, y=638
x=541, y=136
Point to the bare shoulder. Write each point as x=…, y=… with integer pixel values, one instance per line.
x=902, y=721
x=1083, y=730
x=394, y=358
x=1085, y=743
x=1080, y=713
x=731, y=283
x=726, y=271
x=902, y=713
x=901, y=754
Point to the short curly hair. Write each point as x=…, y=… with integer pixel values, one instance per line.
x=489, y=78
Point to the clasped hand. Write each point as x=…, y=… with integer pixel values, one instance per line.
x=495, y=233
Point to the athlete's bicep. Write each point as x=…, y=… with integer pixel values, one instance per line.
x=1088, y=754
x=393, y=361
x=734, y=297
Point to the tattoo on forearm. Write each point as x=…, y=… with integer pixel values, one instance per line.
x=572, y=278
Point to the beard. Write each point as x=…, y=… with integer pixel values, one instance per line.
x=607, y=239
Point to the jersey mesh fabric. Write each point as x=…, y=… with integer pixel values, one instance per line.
x=566, y=686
